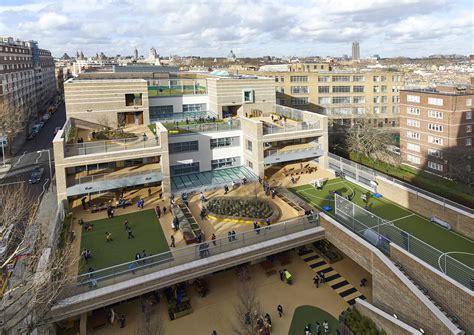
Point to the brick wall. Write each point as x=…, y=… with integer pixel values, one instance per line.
x=392, y=291
x=460, y=223
x=383, y=320
x=454, y=298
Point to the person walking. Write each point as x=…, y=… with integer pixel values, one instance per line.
x=130, y=233
x=158, y=211
x=122, y=321
x=164, y=210
x=108, y=236
x=318, y=328
x=280, y=310
x=280, y=272
x=172, y=245
x=213, y=239
x=234, y=234
x=325, y=327
x=316, y=280
x=323, y=277
x=257, y=229
x=229, y=236
x=126, y=224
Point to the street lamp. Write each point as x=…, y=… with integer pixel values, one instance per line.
x=49, y=159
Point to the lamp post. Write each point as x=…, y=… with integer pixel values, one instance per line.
x=49, y=159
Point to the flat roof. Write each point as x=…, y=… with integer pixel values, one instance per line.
x=435, y=91
x=101, y=81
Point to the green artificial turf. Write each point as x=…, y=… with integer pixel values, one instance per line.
x=405, y=219
x=148, y=236
x=304, y=315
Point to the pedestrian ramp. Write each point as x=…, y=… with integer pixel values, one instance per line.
x=337, y=282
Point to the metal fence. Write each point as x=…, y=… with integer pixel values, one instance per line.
x=96, y=147
x=166, y=260
x=204, y=127
x=381, y=233
x=364, y=175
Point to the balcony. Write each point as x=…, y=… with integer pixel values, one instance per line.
x=108, y=181
x=119, y=282
x=107, y=146
x=293, y=153
x=180, y=128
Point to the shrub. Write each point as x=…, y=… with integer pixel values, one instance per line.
x=358, y=323
x=249, y=208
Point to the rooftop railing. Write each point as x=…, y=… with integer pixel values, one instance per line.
x=287, y=127
x=282, y=151
x=179, y=129
x=97, y=147
x=109, y=176
x=167, y=260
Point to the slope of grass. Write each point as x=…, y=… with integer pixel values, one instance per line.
x=405, y=219
x=304, y=315
x=148, y=236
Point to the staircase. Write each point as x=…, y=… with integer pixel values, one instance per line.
x=452, y=318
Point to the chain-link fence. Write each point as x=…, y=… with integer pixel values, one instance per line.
x=381, y=233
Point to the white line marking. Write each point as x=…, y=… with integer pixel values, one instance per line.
x=19, y=159
x=37, y=159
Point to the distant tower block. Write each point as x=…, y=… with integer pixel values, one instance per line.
x=355, y=51
x=135, y=54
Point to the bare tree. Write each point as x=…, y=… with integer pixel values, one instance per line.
x=461, y=166
x=13, y=120
x=366, y=139
x=247, y=309
x=150, y=321
x=39, y=275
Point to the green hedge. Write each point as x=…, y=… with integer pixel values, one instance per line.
x=359, y=324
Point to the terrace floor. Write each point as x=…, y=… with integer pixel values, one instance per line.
x=216, y=310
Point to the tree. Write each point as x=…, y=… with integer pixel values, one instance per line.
x=365, y=139
x=149, y=322
x=40, y=272
x=461, y=164
x=247, y=308
x=13, y=120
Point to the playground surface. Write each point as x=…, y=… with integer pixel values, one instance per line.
x=458, y=246
x=305, y=315
x=145, y=227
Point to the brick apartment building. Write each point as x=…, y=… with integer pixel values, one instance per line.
x=27, y=81
x=436, y=129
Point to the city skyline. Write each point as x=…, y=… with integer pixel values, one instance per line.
x=413, y=28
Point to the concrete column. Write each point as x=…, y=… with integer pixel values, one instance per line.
x=83, y=324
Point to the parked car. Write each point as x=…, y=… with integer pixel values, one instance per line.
x=36, y=175
x=31, y=136
x=56, y=130
x=46, y=117
x=36, y=128
x=41, y=123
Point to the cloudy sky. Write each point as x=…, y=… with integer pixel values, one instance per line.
x=249, y=27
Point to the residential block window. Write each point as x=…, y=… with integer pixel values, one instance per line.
x=413, y=159
x=359, y=110
x=175, y=148
x=249, y=145
x=384, y=109
x=341, y=78
x=377, y=100
x=468, y=142
x=376, y=78
x=413, y=123
x=359, y=100
x=225, y=162
x=435, y=140
x=248, y=96
x=413, y=147
x=395, y=99
x=250, y=164
x=435, y=114
x=435, y=153
x=468, y=115
x=384, y=99
x=435, y=166
x=299, y=89
x=376, y=89
x=341, y=100
x=358, y=78
x=180, y=169
x=469, y=128
x=413, y=135
x=468, y=102
x=324, y=100
x=224, y=142
x=323, y=79
x=341, y=89
x=358, y=89
x=376, y=110
x=323, y=89
x=396, y=109
x=299, y=79
x=413, y=98
x=435, y=101
x=413, y=110
x=299, y=101
x=435, y=127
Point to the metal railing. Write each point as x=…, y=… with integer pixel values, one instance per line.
x=109, y=176
x=96, y=147
x=380, y=233
x=287, y=127
x=348, y=167
x=183, y=116
x=204, y=127
x=166, y=260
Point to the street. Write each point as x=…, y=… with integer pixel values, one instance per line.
x=28, y=158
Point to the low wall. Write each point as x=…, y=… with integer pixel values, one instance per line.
x=383, y=320
x=453, y=297
x=397, y=193
x=392, y=291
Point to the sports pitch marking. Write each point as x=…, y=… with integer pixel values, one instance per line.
x=453, y=252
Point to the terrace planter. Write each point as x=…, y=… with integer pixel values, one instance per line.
x=243, y=208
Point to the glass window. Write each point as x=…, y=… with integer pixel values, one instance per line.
x=225, y=162
x=435, y=127
x=469, y=128
x=341, y=89
x=299, y=79
x=413, y=147
x=194, y=107
x=358, y=78
x=323, y=79
x=249, y=145
x=358, y=89
x=413, y=123
x=299, y=101
x=435, y=166
x=248, y=96
x=413, y=111
x=224, y=142
x=324, y=100
x=181, y=169
x=435, y=101
x=413, y=135
x=435, y=140
x=175, y=148
x=435, y=153
x=341, y=100
x=359, y=100
x=413, y=159
x=323, y=89
x=413, y=98
x=468, y=142
x=299, y=89
x=133, y=99
x=468, y=115
x=160, y=111
x=341, y=78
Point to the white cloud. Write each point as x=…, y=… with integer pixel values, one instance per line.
x=212, y=27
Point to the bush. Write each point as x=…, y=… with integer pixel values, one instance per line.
x=112, y=135
x=359, y=324
x=249, y=208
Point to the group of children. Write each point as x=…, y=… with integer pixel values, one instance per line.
x=318, y=328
